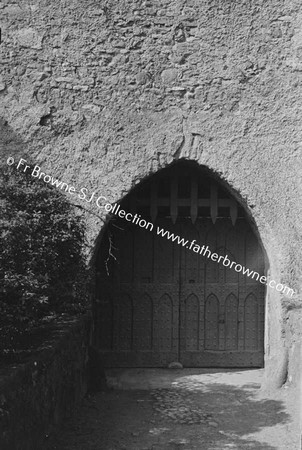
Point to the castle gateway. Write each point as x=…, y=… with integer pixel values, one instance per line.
x=157, y=300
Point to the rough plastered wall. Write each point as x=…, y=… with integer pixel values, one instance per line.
x=105, y=93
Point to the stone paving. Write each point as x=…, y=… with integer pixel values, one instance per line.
x=180, y=410
x=180, y=407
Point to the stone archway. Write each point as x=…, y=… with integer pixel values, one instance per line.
x=159, y=300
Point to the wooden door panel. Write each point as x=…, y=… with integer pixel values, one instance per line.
x=123, y=326
x=144, y=322
x=191, y=323
x=251, y=323
x=143, y=316
x=162, y=302
x=211, y=319
x=230, y=327
x=231, y=323
x=142, y=257
x=145, y=332
x=164, y=325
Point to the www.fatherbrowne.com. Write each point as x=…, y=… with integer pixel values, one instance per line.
x=136, y=219
x=205, y=251
x=192, y=245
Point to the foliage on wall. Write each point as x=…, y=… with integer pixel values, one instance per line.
x=42, y=266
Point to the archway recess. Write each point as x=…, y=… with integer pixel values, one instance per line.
x=160, y=300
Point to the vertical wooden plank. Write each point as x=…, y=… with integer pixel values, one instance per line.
x=191, y=318
x=251, y=323
x=173, y=204
x=194, y=199
x=190, y=260
x=214, y=202
x=242, y=293
x=233, y=211
x=105, y=324
x=125, y=323
x=164, y=252
x=142, y=323
x=143, y=257
x=231, y=323
x=164, y=331
x=211, y=323
x=153, y=201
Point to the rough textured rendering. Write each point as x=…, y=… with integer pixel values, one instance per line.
x=103, y=94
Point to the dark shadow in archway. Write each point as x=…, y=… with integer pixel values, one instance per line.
x=153, y=292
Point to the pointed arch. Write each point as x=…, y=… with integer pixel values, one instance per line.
x=180, y=303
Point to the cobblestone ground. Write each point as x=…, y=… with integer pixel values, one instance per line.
x=185, y=414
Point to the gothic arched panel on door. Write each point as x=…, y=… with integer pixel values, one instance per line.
x=143, y=323
x=164, y=330
x=125, y=323
x=191, y=323
x=231, y=323
x=251, y=323
x=211, y=323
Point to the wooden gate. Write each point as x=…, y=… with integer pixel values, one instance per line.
x=160, y=301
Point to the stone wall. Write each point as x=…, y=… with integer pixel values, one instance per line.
x=39, y=394
x=104, y=94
